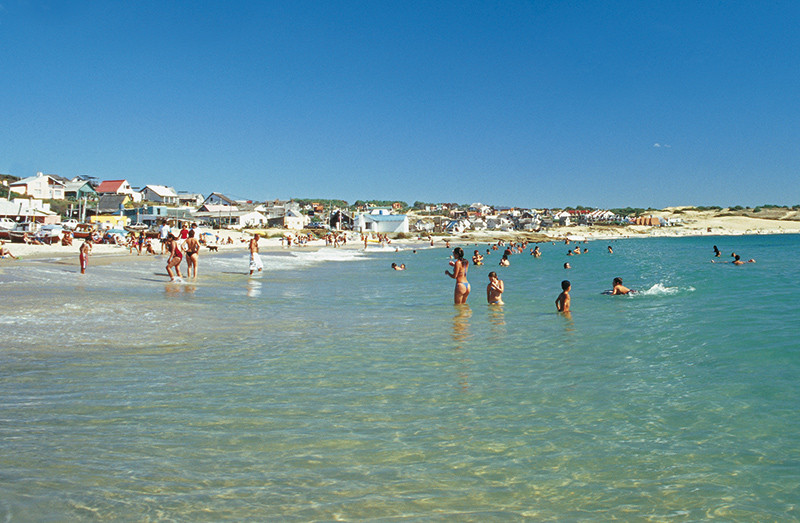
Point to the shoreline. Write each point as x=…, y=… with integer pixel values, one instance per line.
x=576, y=232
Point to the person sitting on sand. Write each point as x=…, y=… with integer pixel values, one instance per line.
x=562, y=302
x=494, y=291
x=5, y=252
x=66, y=240
x=619, y=288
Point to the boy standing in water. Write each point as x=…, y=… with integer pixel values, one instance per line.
x=562, y=302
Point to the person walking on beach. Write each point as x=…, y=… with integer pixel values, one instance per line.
x=192, y=247
x=174, y=260
x=459, y=274
x=83, y=254
x=562, y=302
x=494, y=291
x=255, y=259
x=163, y=235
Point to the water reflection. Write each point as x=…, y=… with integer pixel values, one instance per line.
x=461, y=325
x=253, y=288
x=497, y=319
x=176, y=289
x=461, y=335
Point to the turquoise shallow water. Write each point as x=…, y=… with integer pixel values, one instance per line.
x=333, y=388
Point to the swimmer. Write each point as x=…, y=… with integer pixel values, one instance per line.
x=562, y=302
x=610, y=250
x=737, y=260
x=567, y=266
x=400, y=267
x=477, y=259
x=505, y=262
x=460, y=275
x=717, y=254
x=619, y=288
x=494, y=291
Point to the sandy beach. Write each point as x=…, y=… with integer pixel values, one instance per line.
x=692, y=223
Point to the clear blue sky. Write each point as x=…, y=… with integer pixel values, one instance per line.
x=539, y=104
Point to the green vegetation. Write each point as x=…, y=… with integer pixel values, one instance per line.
x=632, y=211
x=379, y=203
x=328, y=204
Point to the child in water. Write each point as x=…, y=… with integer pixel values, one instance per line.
x=562, y=302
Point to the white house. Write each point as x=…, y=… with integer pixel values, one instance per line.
x=160, y=193
x=190, y=199
x=233, y=219
x=383, y=223
x=24, y=209
x=216, y=198
x=41, y=186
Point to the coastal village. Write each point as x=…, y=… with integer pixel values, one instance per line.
x=40, y=208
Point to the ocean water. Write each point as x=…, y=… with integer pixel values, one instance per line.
x=331, y=387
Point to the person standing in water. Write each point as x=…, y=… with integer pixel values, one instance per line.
x=174, y=260
x=494, y=291
x=255, y=259
x=192, y=247
x=83, y=256
x=562, y=302
x=459, y=274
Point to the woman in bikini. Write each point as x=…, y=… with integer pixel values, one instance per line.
x=174, y=260
x=460, y=275
x=192, y=247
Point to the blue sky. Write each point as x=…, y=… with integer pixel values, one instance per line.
x=541, y=104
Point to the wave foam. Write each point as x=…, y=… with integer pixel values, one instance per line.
x=661, y=290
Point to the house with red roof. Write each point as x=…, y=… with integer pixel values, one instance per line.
x=118, y=187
